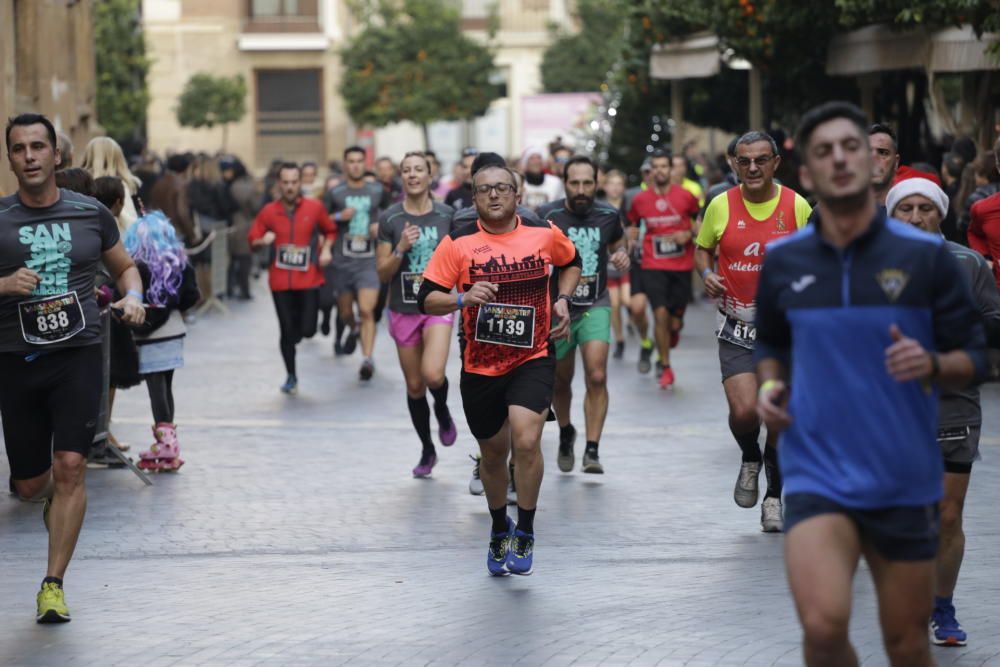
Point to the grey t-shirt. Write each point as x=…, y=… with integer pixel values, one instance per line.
x=962, y=408
x=63, y=244
x=592, y=234
x=355, y=245
x=434, y=226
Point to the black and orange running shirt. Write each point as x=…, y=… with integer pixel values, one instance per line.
x=500, y=336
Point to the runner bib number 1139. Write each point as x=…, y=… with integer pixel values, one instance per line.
x=504, y=324
x=51, y=319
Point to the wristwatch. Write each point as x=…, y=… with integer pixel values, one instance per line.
x=397, y=253
x=564, y=296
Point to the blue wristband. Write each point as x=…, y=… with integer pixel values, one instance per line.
x=132, y=292
x=704, y=273
x=461, y=295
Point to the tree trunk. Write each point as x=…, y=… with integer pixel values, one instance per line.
x=225, y=137
x=427, y=136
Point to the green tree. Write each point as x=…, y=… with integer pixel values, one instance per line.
x=412, y=62
x=209, y=100
x=122, y=95
x=579, y=62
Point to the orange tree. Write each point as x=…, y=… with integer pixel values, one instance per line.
x=412, y=62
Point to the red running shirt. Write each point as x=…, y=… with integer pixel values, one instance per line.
x=984, y=231
x=741, y=250
x=665, y=214
x=515, y=328
x=295, y=265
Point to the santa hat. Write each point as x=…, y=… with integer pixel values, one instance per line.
x=917, y=186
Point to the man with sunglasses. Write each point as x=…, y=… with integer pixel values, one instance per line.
x=739, y=224
x=501, y=266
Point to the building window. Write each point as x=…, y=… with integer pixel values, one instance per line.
x=290, y=115
x=282, y=16
x=274, y=8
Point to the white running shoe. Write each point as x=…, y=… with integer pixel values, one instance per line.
x=746, y=490
x=770, y=516
x=476, y=483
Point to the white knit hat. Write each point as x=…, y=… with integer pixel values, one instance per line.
x=917, y=186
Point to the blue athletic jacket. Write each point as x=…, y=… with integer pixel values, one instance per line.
x=859, y=437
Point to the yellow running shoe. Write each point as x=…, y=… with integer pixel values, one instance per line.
x=52, y=604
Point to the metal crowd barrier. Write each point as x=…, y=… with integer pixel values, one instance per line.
x=104, y=414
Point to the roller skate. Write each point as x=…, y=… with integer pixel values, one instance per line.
x=165, y=454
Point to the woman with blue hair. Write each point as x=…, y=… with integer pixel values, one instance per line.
x=170, y=287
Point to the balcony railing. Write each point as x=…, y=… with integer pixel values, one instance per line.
x=514, y=15
x=282, y=16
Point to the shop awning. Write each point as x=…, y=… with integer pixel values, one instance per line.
x=694, y=57
x=879, y=48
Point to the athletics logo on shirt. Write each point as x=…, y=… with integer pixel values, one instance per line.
x=781, y=221
x=892, y=282
x=661, y=205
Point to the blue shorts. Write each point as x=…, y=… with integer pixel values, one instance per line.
x=896, y=533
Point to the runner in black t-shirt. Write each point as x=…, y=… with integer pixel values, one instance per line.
x=598, y=233
x=51, y=244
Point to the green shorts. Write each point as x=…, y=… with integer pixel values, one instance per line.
x=593, y=324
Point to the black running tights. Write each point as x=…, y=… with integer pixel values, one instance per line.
x=297, y=311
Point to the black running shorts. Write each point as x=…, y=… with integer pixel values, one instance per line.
x=667, y=289
x=960, y=447
x=896, y=533
x=486, y=399
x=635, y=278
x=49, y=403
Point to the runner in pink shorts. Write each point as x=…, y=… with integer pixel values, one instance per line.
x=408, y=233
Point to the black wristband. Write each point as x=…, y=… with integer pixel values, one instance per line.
x=564, y=296
x=935, y=365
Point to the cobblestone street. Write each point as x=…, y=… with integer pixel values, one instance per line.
x=295, y=533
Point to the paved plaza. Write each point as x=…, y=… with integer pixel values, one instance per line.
x=295, y=534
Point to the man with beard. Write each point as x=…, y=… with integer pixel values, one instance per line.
x=885, y=160
x=860, y=320
x=301, y=235
x=597, y=232
x=501, y=266
x=667, y=258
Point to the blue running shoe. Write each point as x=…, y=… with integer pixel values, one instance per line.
x=945, y=628
x=291, y=386
x=499, y=551
x=521, y=548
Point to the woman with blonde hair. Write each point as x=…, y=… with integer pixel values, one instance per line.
x=104, y=157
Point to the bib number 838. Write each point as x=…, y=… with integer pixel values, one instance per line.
x=53, y=321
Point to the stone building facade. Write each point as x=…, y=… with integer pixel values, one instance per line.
x=47, y=66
